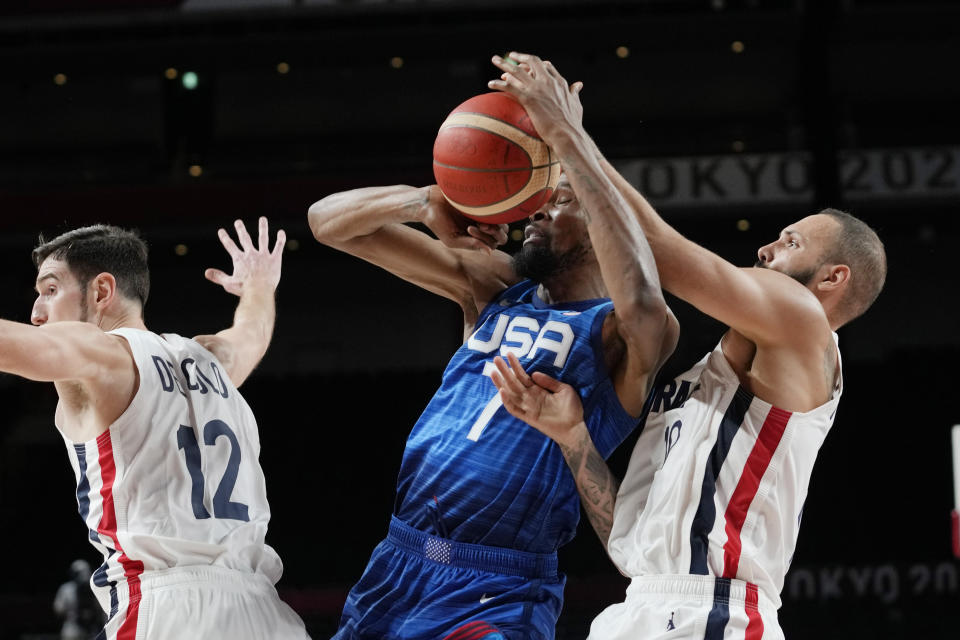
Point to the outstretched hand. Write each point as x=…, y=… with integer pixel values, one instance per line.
x=457, y=231
x=548, y=99
x=546, y=404
x=250, y=264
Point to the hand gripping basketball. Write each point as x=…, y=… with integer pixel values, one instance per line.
x=552, y=104
x=456, y=231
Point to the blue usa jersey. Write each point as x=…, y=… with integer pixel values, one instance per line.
x=473, y=473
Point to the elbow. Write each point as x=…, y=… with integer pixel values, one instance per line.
x=320, y=217
x=316, y=215
x=647, y=320
x=646, y=307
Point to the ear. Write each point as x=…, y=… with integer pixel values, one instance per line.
x=835, y=277
x=104, y=289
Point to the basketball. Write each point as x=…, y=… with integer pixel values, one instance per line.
x=490, y=163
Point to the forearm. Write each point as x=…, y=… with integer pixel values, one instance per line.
x=252, y=327
x=626, y=262
x=674, y=254
x=350, y=214
x=596, y=485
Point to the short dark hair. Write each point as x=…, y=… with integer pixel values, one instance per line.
x=860, y=248
x=100, y=248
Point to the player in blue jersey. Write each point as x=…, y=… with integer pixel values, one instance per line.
x=483, y=501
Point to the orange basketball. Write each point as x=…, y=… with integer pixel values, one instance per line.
x=490, y=163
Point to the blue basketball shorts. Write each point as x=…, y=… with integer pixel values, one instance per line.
x=422, y=587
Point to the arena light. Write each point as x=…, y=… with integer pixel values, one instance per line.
x=190, y=80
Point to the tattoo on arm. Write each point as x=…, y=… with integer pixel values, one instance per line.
x=573, y=455
x=596, y=485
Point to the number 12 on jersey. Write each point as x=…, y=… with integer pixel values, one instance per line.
x=222, y=505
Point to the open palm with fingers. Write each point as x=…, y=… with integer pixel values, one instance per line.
x=251, y=265
x=546, y=404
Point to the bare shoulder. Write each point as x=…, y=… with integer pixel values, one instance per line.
x=93, y=400
x=89, y=349
x=796, y=374
x=220, y=347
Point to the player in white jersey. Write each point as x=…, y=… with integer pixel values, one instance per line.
x=706, y=520
x=164, y=448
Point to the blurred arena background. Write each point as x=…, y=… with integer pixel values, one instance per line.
x=734, y=116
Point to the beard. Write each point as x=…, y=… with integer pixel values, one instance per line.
x=803, y=276
x=540, y=263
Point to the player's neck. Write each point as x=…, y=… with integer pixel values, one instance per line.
x=128, y=319
x=572, y=285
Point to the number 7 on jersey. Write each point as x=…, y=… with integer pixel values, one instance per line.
x=491, y=408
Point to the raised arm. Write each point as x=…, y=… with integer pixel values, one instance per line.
x=643, y=321
x=554, y=409
x=461, y=264
x=256, y=274
x=765, y=306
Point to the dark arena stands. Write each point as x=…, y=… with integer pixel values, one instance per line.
x=734, y=117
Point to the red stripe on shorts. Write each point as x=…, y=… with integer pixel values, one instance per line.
x=471, y=631
x=755, y=624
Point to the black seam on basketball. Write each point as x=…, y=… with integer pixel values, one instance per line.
x=532, y=168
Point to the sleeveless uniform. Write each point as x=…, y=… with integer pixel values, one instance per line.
x=483, y=499
x=174, y=497
x=707, y=517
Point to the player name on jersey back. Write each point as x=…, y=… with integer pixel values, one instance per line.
x=193, y=377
